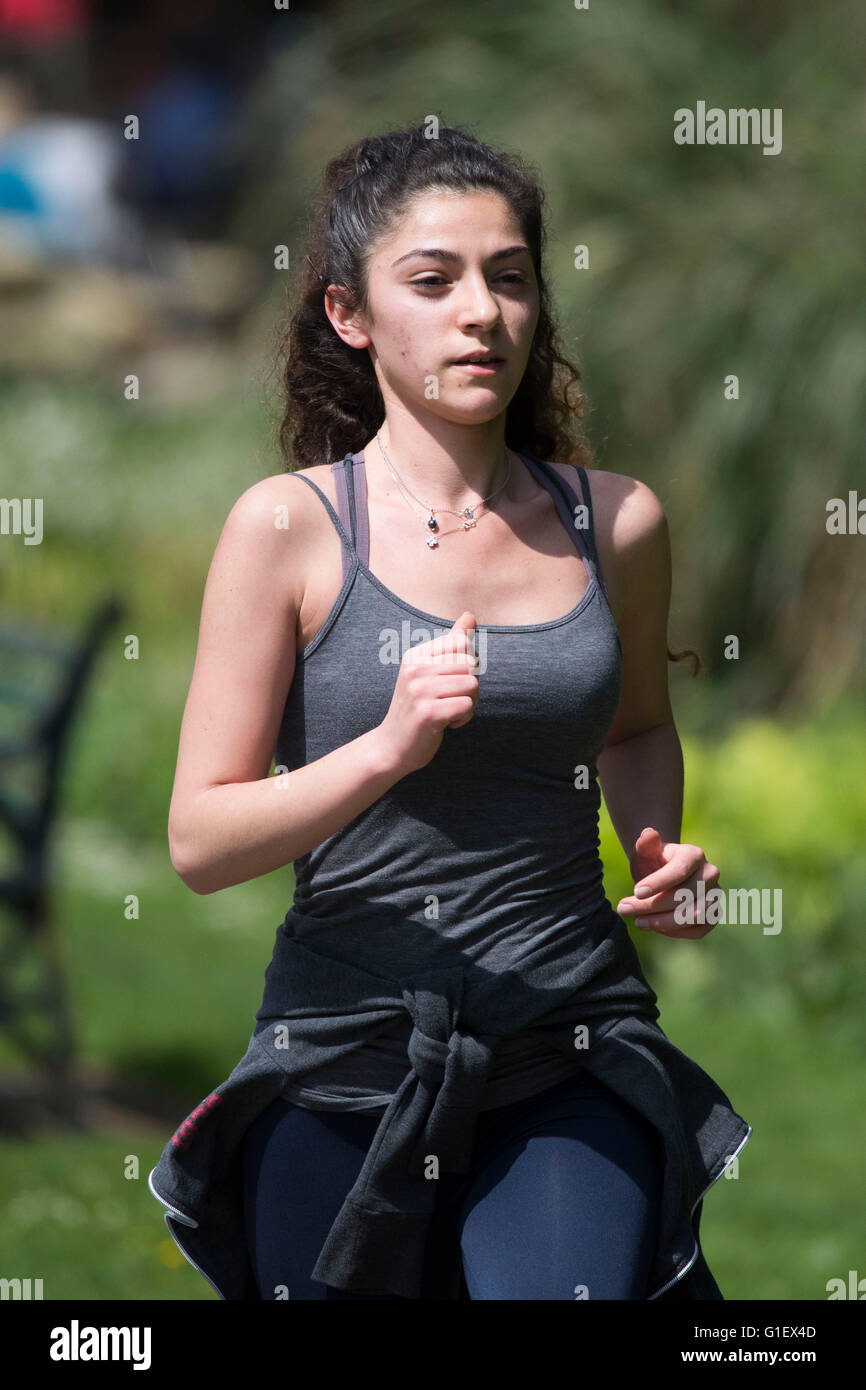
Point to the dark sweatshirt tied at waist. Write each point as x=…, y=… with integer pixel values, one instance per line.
x=594, y=1005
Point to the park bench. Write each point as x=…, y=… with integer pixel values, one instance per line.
x=43, y=677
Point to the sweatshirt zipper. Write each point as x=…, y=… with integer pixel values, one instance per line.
x=186, y=1221
x=694, y=1255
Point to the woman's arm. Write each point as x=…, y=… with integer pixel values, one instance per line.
x=640, y=768
x=229, y=821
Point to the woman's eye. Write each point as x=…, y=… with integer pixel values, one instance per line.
x=513, y=277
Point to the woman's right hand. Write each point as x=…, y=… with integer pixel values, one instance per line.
x=437, y=689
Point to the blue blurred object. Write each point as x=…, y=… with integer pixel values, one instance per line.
x=56, y=188
x=17, y=193
x=185, y=126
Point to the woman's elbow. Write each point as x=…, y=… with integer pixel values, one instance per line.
x=187, y=866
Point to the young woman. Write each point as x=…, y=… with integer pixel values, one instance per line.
x=445, y=639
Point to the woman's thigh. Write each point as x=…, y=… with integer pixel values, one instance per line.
x=298, y=1166
x=566, y=1205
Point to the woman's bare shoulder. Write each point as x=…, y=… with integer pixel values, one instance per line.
x=278, y=487
x=630, y=529
x=624, y=509
x=280, y=497
x=273, y=528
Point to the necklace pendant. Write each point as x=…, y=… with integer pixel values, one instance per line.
x=467, y=511
x=432, y=542
x=432, y=522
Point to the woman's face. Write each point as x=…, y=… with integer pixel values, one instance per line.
x=426, y=310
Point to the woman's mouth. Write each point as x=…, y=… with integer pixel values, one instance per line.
x=488, y=368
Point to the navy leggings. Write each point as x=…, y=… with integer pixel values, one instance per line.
x=561, y=1200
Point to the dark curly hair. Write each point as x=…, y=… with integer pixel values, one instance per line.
x=331, y=395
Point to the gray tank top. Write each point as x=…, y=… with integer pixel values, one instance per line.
x=444, y=867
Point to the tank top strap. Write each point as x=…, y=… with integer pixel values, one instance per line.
x=590, y=529
x=350, y=482
x=567, y=502
x=347, y=549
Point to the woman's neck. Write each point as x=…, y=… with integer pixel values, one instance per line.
x=440, y=480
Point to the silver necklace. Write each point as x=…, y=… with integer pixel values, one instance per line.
x=467, y=514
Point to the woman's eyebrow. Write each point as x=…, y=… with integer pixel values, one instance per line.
x=436, y=253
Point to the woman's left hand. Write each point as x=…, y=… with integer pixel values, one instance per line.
x=664, y=866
